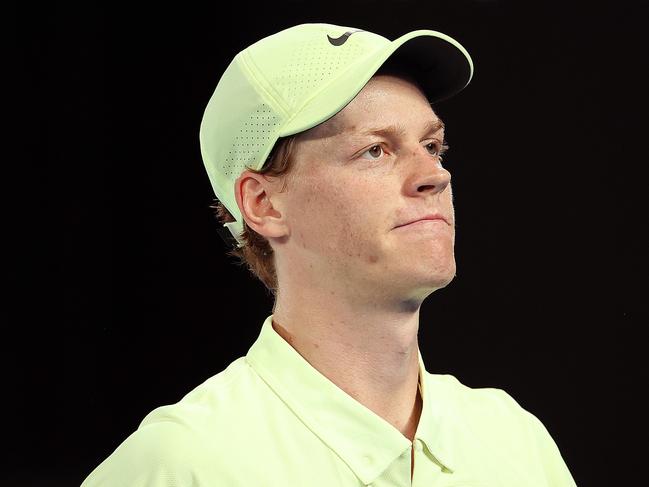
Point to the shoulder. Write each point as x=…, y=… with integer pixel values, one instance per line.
x=480, y=403
x=487, y=416
x=155, y=455
x=176, y=444
x=496, y=409
x=492, y=417
x=218, y=396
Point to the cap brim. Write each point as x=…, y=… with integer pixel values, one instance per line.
x=440, y=65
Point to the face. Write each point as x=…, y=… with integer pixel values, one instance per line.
x=352, y=189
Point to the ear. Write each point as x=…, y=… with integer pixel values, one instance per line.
x=256, y=196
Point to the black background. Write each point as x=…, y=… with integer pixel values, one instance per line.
x=127, y=300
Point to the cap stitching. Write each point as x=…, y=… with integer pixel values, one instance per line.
x=255, y=73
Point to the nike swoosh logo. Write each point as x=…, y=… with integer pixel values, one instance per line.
x=339, y=41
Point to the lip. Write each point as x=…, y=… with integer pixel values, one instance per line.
x=434, y=216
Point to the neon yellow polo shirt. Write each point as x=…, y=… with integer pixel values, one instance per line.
x=272, y=420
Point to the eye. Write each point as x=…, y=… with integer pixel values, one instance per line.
x=372, y=151
x=437, y=148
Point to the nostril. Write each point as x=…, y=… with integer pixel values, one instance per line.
x=425, y=187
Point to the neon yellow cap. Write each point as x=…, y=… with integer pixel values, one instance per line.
x=293, y=80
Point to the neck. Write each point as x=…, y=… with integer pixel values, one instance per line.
x=371, y=355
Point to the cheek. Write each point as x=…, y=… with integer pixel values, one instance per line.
x=360, y=208
x=335, y=217
x=317, y=213
x=449, y=198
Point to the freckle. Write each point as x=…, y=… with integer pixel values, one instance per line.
x=316, y=345
x=372, y=259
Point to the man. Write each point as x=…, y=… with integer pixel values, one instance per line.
x=357, y=230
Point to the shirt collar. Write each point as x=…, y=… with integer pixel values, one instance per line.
x=367, y=443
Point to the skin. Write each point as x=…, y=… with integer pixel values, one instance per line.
x=350, y=284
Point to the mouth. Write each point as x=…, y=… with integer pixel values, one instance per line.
x=432, y=219
x=438, y=222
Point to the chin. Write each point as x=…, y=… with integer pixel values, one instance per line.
x=442, y=277
x=433, y=281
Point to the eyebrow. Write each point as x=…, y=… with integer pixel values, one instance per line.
x=433, y=126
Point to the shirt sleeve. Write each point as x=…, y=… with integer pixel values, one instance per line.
x=161, y=454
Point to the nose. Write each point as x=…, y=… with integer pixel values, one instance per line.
x=426, y=174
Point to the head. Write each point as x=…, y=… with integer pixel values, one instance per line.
x=327, y=205
x=306, y=92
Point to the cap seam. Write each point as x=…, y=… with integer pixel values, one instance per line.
x=251, y=69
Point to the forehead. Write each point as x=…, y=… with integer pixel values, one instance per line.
x=364, y=121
